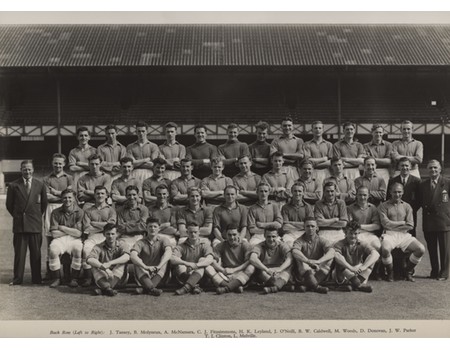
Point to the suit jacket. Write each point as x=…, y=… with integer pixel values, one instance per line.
x=26, y=210
x=409, y=190
x=436, y=211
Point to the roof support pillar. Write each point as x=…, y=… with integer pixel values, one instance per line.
x=58, y=114
x=339, y=111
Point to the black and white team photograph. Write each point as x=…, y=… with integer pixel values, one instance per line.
x=186, y=170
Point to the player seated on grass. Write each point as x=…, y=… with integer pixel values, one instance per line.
x=396, y=217
x=65, y=228
x=273, y=261
x=108, y=261
x=231, y=270
x=354, y=260
x=150, y=256
x=190, y=259
x=263, y=215
x=313, y=257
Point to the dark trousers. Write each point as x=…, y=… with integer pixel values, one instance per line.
x=434, y=240
x=21, y=243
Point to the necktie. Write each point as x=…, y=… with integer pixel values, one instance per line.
x=433, y=185
x=403, y=181
x=28, y=186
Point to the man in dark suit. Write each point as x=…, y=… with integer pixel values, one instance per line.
x=410, y=187
x=26, y=201
x=433, y=197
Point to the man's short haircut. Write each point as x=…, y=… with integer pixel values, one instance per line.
x=261, y=184
x=95, y=156
x=329, y=184
x=152, y=221
x=159, y=161
x=310, y=218
x=230, y=186
x=396, y=184
x=369, y=158
x=110, y=126
x=276, y=154
x=244, y=156
x=305, y=161
x=217, y=160
x=109, y=227
x=81, y=129
x=287, y=119
x=171, y=125
x=300, y=184
x=353, y=225
x=317, y=122
x=66, y=191
x=99, y=188
x=348, y=124
x=26, y=161
x=407, y=122
x=161, y=187
x=334, y=160
x=132, y=188
x=262, y=125
x=126, y=160
x=194, y=189
x=404, y=159
x=362, y=188
x=435, y=161
x=185, y=160
x=141, y=124
x=199, y=126
x=270, y=230
x=376, y=126
x=232, y=126
x=59, y=155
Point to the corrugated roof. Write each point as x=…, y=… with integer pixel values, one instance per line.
x=223, y=45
